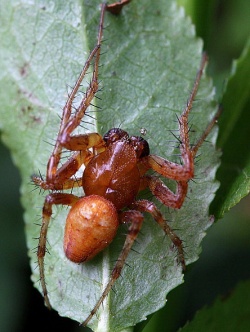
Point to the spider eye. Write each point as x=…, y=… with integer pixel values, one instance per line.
x=140, y=145
x=115, y=134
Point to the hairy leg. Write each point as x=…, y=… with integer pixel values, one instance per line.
x=147, y=206
x=135, y=218
x=50, y=200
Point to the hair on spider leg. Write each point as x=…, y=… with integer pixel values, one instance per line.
x=47, y=244
x=127, y=264
x=35, y=238
x=188, y=197
x=190, y=130
x=196, y=100
x=166, y=238
x=101, y=64
x=40, y=279
x=95, y=111
x=102, y=53
x=136, y=251
x=97, y=97
x=177, y=120
x=206, y=141
x=184, y=247
x=37, y=267
x=39, y=218
x=99, y=83
x=75, y=186
x=46, y=249
x=197, y=159
x=40, y=175
x=87, y=123
x=199, y=176
x=59, y=117
x=50, y=143
x=41, y=190
x=79, y=95
x=34, y=250
x=193, y=180
x=178, y=117
x=85, y=127
x=96, y=106
x=100, y=88
x=68, y=87
x=178, y=138
x=137, y=241
x=36, y=224
x=174, y=147
x=36, y=186
x=48, y=149
x=113, y=289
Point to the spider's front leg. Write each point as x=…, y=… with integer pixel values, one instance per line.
x=172, y=170
x=59, y=178
x=70, y=122
x=181, y=173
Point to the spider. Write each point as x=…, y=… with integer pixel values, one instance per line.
x=116, y=170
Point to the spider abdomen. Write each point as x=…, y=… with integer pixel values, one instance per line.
x=113, y=174
x=90, y=227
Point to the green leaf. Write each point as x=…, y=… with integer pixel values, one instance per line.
x=150, y=60
x=231, y=313
x=234, y=172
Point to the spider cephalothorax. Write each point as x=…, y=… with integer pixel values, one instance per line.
x=116, y=170
x=114, y=174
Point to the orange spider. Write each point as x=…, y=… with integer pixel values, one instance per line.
x=116, y=170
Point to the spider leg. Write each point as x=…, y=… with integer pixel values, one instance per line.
x=136, y=220
x=165, y=195
x=187, y=152
x=170, y=169
x=116, y=7
x=68, y=184
x=147, y=206
x=182, y=173
x=69, y=122
x=206, y=132
x=62, y=177
x=50, y=200
x=56, y=177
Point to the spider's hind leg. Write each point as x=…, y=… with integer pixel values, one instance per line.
x=50, y=200
x=147, y=206
x=135, y=218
